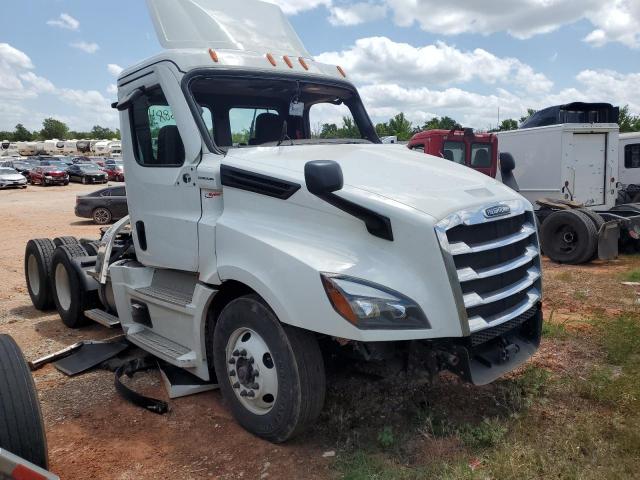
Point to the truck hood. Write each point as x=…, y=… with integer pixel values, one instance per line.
x=430, y=184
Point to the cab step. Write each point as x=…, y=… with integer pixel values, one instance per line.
x=167, y=295
x=102, y=317
x=162, y=347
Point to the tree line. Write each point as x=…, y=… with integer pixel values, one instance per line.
x=401, y=127
x=52, y=128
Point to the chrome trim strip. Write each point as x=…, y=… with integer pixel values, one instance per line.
x=460, y=248
x=474, y=299
x=477, y=323
x=467, y=274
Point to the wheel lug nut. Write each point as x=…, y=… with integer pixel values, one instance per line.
x=251, y=394
x=235, y=353
x=236, y=385
x=243, y=393
x=243, y=353
x=232, y=373
x=232, y=361
x=255, y=386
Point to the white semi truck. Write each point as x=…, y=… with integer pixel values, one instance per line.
x=251, y=243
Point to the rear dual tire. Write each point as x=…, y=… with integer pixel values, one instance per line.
x=68, y=289
x=37, y=268
x=288, y=393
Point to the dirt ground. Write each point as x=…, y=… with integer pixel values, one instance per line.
x=93, y=433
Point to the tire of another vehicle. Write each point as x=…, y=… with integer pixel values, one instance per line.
x=569, y=236
x=598, y=222
x=84, y=180
x=21, y=429
x=91, y=246
x=37, y=267
x=102, y=216
x=59, y=241
x=69, y=295
x=295, y=355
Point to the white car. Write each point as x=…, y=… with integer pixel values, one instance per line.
x=11, y=178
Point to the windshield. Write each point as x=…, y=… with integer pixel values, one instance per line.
x=250, y=111
x=7, y=171
x=89, y=168
x=50, y=169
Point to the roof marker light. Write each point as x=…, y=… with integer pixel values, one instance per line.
x=213, y=55
x=287, y=60
x=272, y=60
x=341, y=71
x=303, y=63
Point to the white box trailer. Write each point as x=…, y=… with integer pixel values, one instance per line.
x=564, y=160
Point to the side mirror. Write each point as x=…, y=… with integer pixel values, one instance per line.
x=507, y=163
x=323, y=176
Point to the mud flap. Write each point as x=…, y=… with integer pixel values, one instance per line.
x=489, y=361
x=608, y=238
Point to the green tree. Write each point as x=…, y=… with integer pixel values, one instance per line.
x=52, y=128
x=530, y=111
x=98, y=132
x=21, y=134
x=400, y=127
x=444, y=123
x=382, y=129
x=627, y=121
x=329, y=130
x=508, y=124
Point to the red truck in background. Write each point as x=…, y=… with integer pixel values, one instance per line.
x=476, y=150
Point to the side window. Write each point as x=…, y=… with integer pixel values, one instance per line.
x=244, y=122
x=157, y=141
x=208, y=119
x=455, y=152
x=118, y=192
x=481, y=155
x=327, y=120
x=418, y=148
x=632, y=156
x=105, y=193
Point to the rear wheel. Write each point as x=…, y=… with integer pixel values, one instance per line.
x=84, y=180
x=271, y=375
x=598, y=222
x=37, y=265
x=21, y=428
x=58, y=241
x=69, y=294
x=102, y=216
x=569, y=236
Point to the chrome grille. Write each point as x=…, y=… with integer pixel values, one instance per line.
x=496, y=263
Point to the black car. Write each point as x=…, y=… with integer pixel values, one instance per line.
x=86, y=174
x=104, y=206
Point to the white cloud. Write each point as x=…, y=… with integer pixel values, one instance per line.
x=65, y=21
x=38, y=84
x=13, y=64
x=114, y=69
x=379, y=59
x=617, y=21
x=349, y=15
x=291, y=7
x=88, y=47
x=112, y=89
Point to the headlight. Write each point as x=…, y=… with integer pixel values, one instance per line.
x=370, y=306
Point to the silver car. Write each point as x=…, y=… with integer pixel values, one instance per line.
x=11, y=178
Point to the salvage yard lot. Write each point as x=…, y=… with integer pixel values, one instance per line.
x=572, y=412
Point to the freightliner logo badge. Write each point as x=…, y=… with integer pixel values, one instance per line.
x=497, y=211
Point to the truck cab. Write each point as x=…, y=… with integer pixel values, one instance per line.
x=463, y=146
x=629, y=167
x=254, y=248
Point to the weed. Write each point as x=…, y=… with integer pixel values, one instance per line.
x=621, y=340
x=386, y=438
x=486, y=434
x=631, y=276
x=435, y=424
x=554, y=330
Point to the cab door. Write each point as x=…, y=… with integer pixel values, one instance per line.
x=161, y=150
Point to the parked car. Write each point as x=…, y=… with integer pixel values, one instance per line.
x=104, y=206
x=23, y=167
x=80, y=160
x=114, y=171
x=86, y=173
x=11, y=178
x=54, y=163
x=49, y=175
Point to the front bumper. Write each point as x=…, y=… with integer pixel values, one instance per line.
x=488, y=354
x=13, y=184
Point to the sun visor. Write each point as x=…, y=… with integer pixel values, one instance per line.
x=247, y=25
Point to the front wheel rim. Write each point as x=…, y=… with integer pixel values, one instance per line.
x=63, y=287
x=101, y=216
x=251, y=371
x=34, y=274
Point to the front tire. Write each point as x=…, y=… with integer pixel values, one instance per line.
x=287, y=394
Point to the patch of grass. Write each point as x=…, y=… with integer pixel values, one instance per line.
x=564, y=276
x=621, y=340
x=554, y=330
x=435, y=424
x=581, y=295
x=487, y=434
x=386, y=439
x=631, y=276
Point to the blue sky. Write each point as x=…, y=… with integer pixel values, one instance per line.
x=462, y=58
